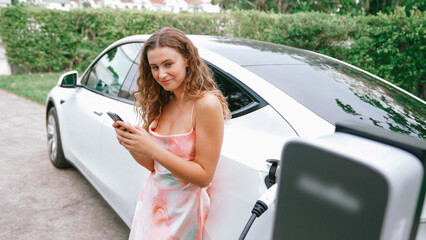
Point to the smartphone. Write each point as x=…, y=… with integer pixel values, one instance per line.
x=114, y=116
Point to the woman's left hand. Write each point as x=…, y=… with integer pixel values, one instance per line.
x=134, y=139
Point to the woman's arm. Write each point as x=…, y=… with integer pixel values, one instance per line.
x=209, y=127
x=148, y=163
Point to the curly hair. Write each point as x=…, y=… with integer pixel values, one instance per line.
x=150, y=97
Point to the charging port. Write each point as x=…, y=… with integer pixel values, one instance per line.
x=271, y=178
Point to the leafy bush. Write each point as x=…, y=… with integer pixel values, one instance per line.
x=391, y=46
x=252, y=24
x=396, y=44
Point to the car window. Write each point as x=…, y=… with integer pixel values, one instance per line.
x=108, y=74
x=236, y=97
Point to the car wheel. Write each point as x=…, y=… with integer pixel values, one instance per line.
x=54, y=144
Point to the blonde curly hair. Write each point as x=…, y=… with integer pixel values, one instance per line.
x=150, y=98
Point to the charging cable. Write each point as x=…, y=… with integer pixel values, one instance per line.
x=260, y=207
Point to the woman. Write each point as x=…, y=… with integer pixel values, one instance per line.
x=183, y=115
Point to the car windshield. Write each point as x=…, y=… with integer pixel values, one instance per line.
x=333, y=90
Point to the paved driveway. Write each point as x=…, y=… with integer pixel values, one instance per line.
x=38, y=201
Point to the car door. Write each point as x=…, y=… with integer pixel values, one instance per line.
x=85, y=110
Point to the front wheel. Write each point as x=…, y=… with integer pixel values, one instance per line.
x=54, y=143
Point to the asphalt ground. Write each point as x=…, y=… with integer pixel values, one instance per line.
x=38, y=201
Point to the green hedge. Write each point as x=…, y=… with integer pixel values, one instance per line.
x=391, y=46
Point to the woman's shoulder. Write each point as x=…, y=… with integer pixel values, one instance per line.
x=208, y=110
x=207, y=101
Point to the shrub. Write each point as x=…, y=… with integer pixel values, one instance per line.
x=391, y=46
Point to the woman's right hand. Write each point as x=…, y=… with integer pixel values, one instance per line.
x=119, y=125
x=134, y=139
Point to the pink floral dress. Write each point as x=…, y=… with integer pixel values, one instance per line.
x=169, y=208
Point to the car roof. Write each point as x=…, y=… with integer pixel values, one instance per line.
x=241, y=51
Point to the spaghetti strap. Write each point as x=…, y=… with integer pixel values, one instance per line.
x=192, y=115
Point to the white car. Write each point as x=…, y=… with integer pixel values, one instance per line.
x=275, y=93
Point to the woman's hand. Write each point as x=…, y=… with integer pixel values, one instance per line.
x=133, y=138
x=119, y=125
x=137, y=141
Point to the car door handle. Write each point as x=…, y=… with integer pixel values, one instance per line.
x=98, y=113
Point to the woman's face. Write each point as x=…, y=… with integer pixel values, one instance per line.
x=168, y=67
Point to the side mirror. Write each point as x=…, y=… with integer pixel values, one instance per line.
x=68, y=80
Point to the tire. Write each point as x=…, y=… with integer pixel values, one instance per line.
x=54, y=143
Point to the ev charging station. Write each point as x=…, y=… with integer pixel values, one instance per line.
x=359, y=183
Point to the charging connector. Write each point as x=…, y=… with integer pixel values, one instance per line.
x=260, y=207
